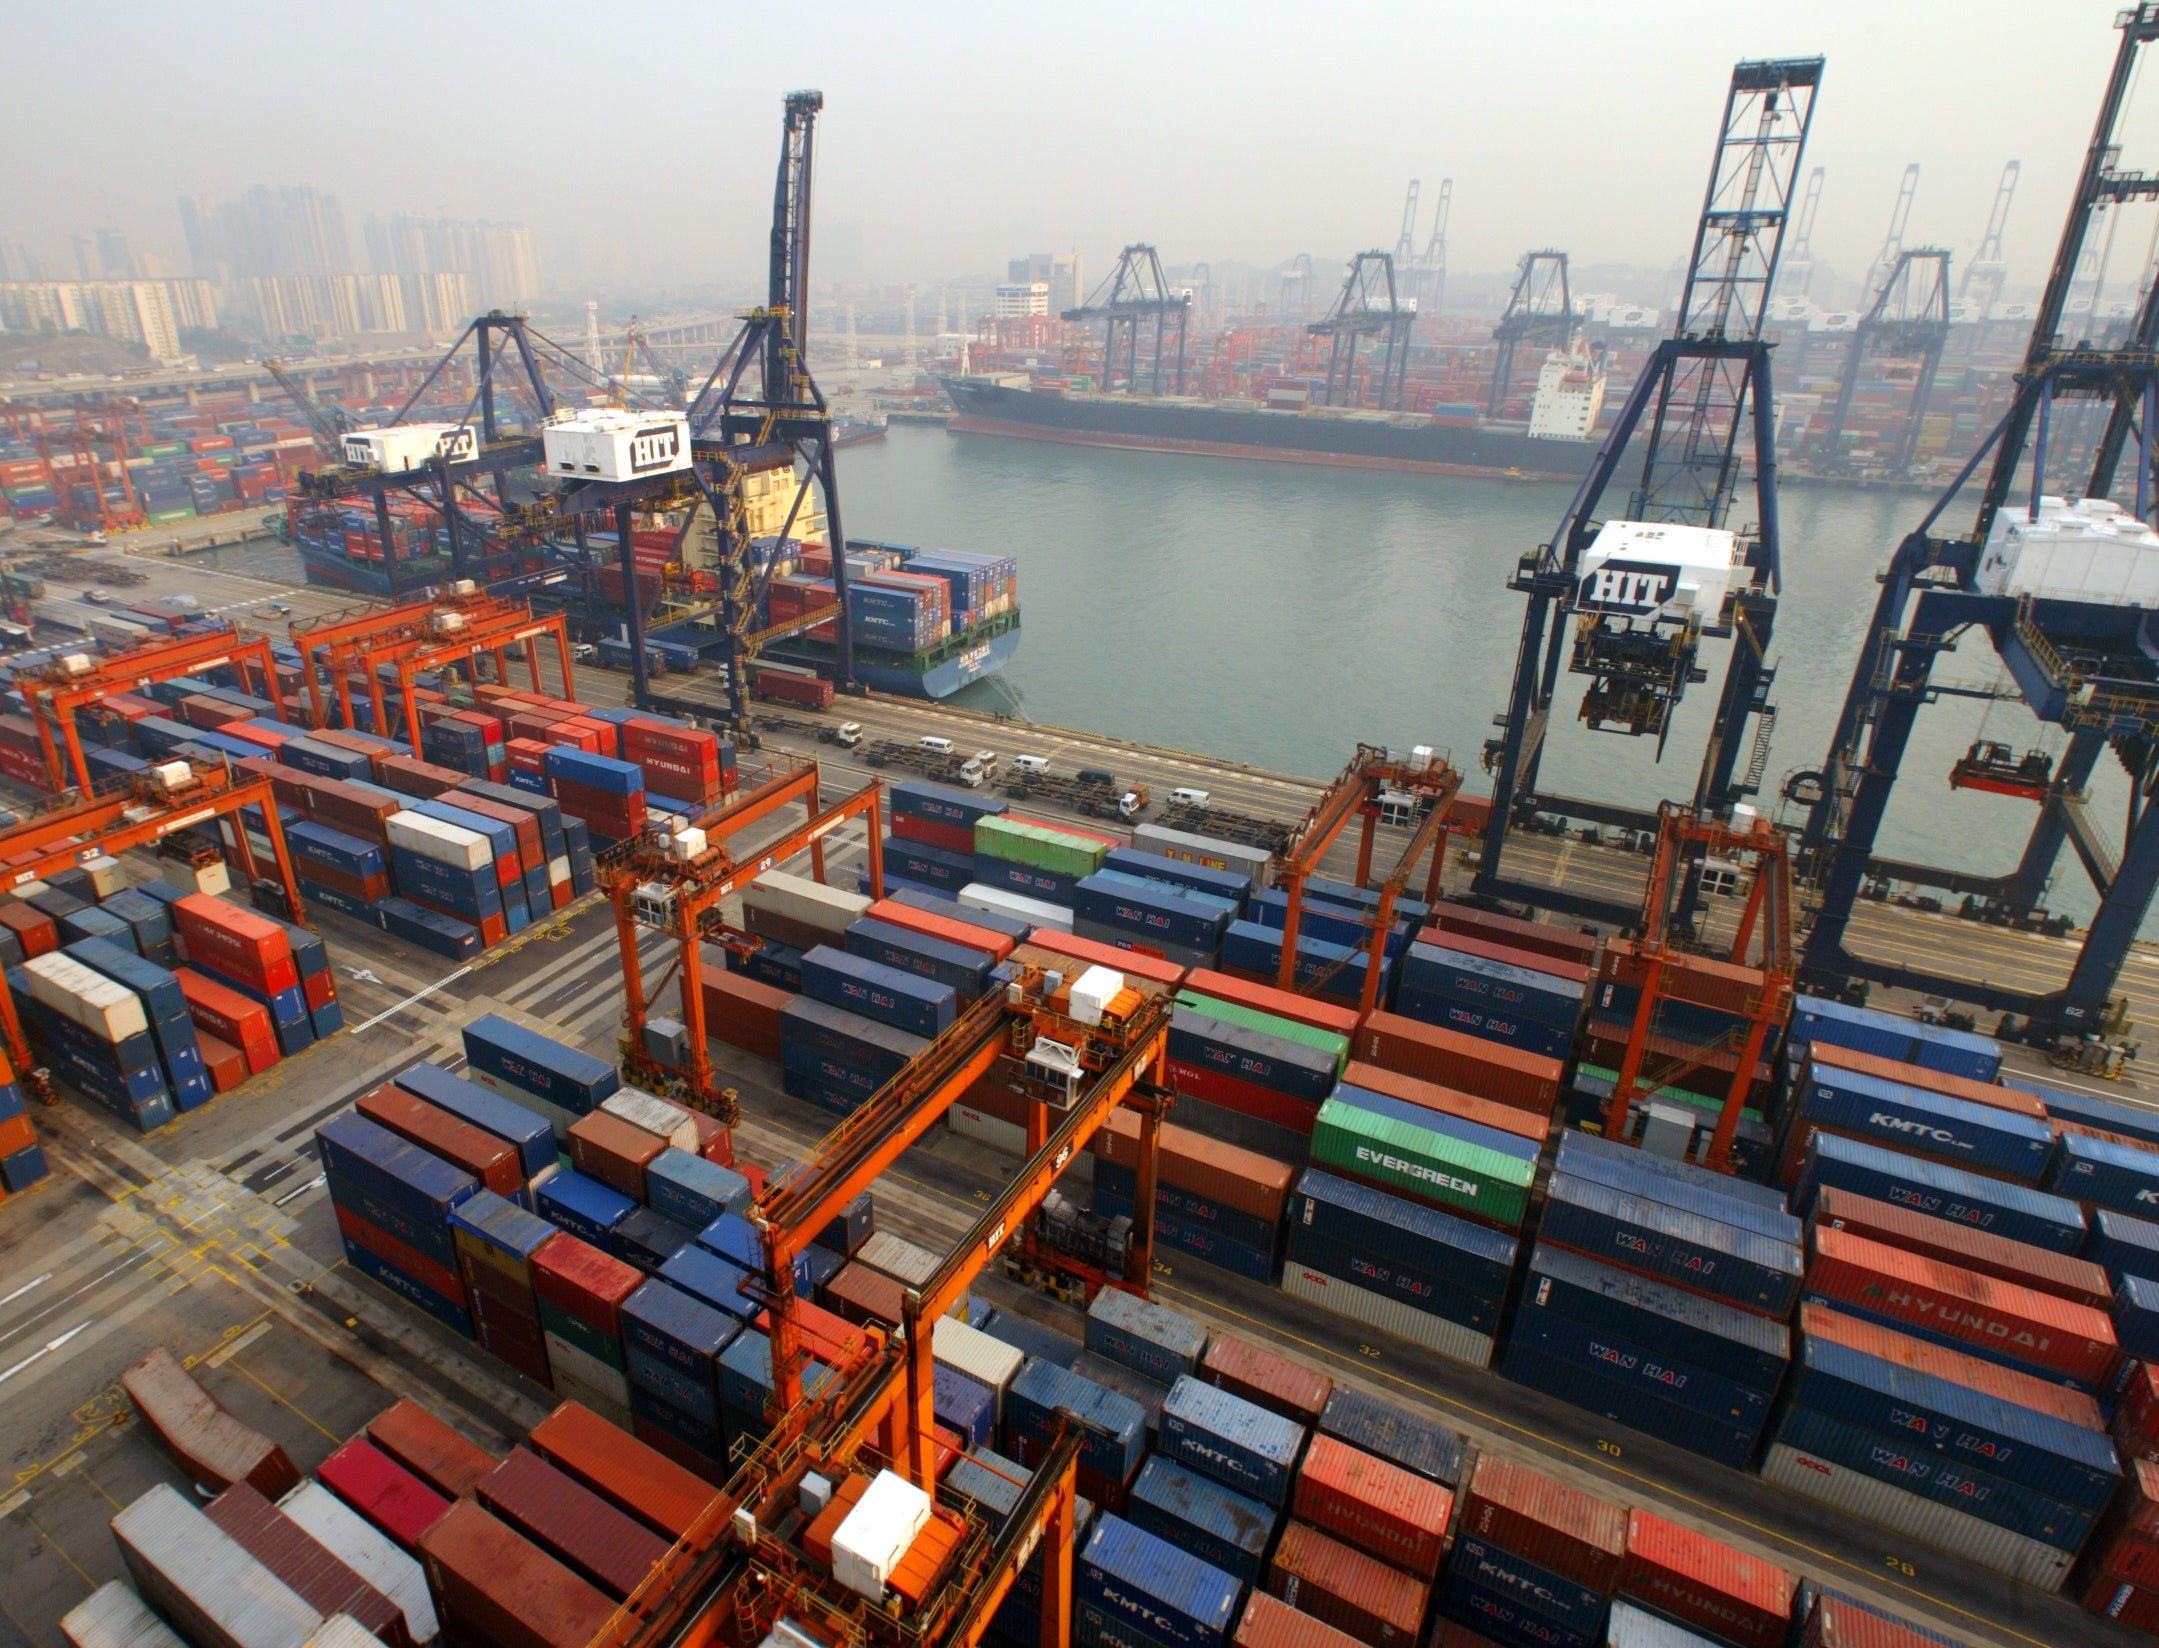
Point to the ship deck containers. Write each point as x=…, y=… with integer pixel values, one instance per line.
x=1222, y=1528
x=1941, y=1192
x=1129, y=1584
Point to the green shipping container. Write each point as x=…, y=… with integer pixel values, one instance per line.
x=583, y=1335
x=1038, y=847
x=1431, y=1167
x=165, y=517
x=1269, y=1024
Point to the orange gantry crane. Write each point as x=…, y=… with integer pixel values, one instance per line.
x=159, y=803
x=1374, y=779
x=1758, y=993
x=323, y=635
x=676, y=885
x=55, y=692
x=454, y=637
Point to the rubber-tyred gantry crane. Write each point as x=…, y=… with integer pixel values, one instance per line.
x=452, y=636
x=1432, y=786
x=1662, y=966
x=55, y=692
x=157, y=804
x=676, y=887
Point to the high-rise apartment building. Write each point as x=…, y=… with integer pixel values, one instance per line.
x=1060, y=272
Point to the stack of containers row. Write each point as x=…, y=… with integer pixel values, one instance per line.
x=24, y=932
x=408, y=1534
x=1944, y=1281
x=1658, y=1295
x=1334, y=936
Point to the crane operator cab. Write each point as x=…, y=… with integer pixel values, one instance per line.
x=1647, y=594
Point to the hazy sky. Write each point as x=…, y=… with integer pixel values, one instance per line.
x=956, y=135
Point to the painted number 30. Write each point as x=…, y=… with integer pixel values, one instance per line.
x=1612, y=1448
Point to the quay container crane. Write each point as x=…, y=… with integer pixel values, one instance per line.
x=2062, y=585
x=1643, y=590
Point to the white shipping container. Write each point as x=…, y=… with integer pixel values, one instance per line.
x=876, y=1534
x=997, y=901
x=117, y=632
x=898, y=1258
x=988, y=1362
x=1092, y=991
x=1937, y=1524
x=85, y=996
x=200, y=1578
x=360, y=1546
x=1206, y=851
x=811, y=903
x=558, y=870
x=444, y=843
x=343, y=1631
x=112, y=1616
x=1388, y=1315
x=983, y=1128
x=653, y=1115
x=582, y=1377
x=1632, y=1628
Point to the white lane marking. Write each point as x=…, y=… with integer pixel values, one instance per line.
x=61, y=1303
x=417, y=995
x=234, y=1346
x=43, y=1351
x=25, y=1288
x=292, y=1195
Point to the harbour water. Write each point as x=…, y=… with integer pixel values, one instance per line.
x=1276, y=614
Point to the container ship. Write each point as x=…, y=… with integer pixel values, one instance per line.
x=925, y=623
x=1453, y=440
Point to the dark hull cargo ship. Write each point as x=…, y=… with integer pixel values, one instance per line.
x=1411, y=441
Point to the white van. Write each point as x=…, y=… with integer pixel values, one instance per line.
x=1036, y=764
x=936, y=746
x=1189, y=798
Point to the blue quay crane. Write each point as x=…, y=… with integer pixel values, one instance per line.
x=1645, y=587
x=2065, y=587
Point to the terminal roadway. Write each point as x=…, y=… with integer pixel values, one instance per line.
x=214, y=1237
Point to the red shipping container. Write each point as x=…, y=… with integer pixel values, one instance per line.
x=1265, y=998
x=33, y=929
x=1207, y=1167
x=221, y=1011
x=530, y=722
x=368, y=889
x=1538, y=937
x=2139, y=1410
x=1318, y=1575
x=410, y=776
x=226, y=1063
x=1447, y=1101
x=1469, y=1064
x=530, y=850
x=1574, y=972
x=861, y=1295
x=603, y=739
x=826, y=1335
x=744, y=1012
x=699, y=786
x=1128, y=962
x=1526, y=1513
x=932, y=925
x=1379, y=1508
x=2030, y=1327
x=318, y=990
x=210, y=713
x=1269, y=1622
x=255, y=732
x=2132, y=1605
x=2024, y=1390
x=931, y=832
x=312, y=1571
x=391, y=1251
x=609, y=1149
x=648, y=1485
x=1273, y=1382
x=1703, y=1582
x=781, y=686
x=1284, y=1110
x=494, y=1163
x=692, y=746
x=527, y=754
x=496, y=1586
x=383, y=1491
x=236, y=942
x=1976, y=1250
x=573, y=1275
x=442, y=1457
x=572, y=1523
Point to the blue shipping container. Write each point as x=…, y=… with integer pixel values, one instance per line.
x=1910, y=1118
x=1738, y=1345
x=1675, y=1245
x=1221, y=1527
x=538, y=1064
x=1940, y=1192
x=1149, y=1587
x=901, y=1000
x=1237, y=1443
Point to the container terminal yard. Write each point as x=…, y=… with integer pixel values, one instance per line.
x=552, y=1137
